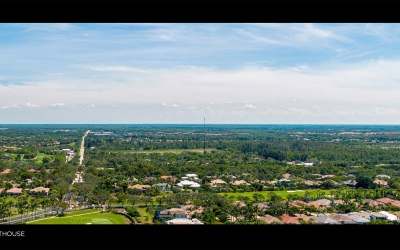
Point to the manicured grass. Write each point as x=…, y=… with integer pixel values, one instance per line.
x=143, y=213
x=82, y=217
x=72, y=144
x=282, y=194
x=164, y=151
x=40, y=156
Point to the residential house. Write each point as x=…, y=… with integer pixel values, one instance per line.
x=364, y=214
x=358, y=219
x=350, y=183
x=172, y=213
x=28, y=182
x=191, y=210
x=341, y=218
x=298, y=203
x=372, y=203
x=310, y=183
x=148, y=179
x=6, y=171
x=240, y=182
x=325, y=202
x=378, y=215
x=261, y=205
x=14, y=191
x=165, y=187
x=385, y=200
x=179, y=221
x=192, y=177
x=383, y=176
x=32, y=170
x=389, y=216
x=1, y=191
x=381, y=182
x=40, y=190
x=286, y=176
x=269, y=219
x=166, y=177
x=324, y=219
x=317, y=204
x=287, y=219
x=239, y=203
x=140, y=187
x=327, y=176
x=189, y=184
x=303, y=217
x=217, y=183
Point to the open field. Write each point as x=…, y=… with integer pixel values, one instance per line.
x=92, y=216
x=144, y=216
x=282, y=194
x=164, y=151
x=40, y=157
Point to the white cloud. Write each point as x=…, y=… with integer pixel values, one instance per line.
x=175, y=105
x=249, y=106
x=191, y=108
x=118, y=68
x=5, y=107
x=114, y=106
x=90, y=106
x=164, y=104
x=59, y=104
x=29, y=105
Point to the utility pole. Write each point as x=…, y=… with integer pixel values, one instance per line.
x=204, y=136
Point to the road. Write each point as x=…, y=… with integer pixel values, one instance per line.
x=82, y=150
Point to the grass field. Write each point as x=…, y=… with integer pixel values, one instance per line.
x=92, y=216
x=282, y=194
x=144, y=215
x=164, y=151
x=40, y=157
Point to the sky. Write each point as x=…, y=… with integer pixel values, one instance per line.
x=183, y=73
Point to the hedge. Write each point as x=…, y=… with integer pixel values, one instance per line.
x=126, y=215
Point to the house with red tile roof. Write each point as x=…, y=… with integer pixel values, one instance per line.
x=303, y=217
x=269, y=219
x=381, y=182
x=341, y=219
x=286, y=176
x=6, y=171
x=287, y=219
x=14, y=191
x=140, y=187
x=385, y=200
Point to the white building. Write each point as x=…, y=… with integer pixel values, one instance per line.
x=190, y=184
x=390, y=217
x=183, y=222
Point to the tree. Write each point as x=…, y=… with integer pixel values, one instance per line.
x=121, y=198
x=364, y=182
x=133, y=199
x=132, y=211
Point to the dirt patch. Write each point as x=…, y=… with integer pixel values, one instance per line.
x=120, y=210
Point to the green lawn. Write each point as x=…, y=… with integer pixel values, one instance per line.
x=282, y=194
x=40, y=157
x=92, y=216
x=163, y=151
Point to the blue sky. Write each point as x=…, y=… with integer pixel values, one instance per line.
x=181, y=73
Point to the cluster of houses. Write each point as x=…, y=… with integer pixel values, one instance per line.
x=17, y=190
x=192, y=181
x=183, y=214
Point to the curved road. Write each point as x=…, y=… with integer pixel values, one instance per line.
x=82, y=150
